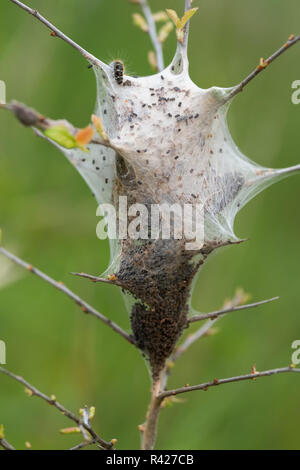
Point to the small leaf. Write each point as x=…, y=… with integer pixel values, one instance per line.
x=140, y=22
x=164, y=31
x=174, y=17
x=99, y=127
x=92, y=412
x=160, y=16
x=170, y=401
x=187, y=16
x=62, y=136
x=74, y=430
x=152, y=61
x=2, y=435
x=84, y=136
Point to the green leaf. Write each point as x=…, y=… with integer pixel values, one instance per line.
x=187, y=16
x=174, y=17
x=62, y=136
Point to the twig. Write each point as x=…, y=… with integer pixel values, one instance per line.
x=262, y=66
x=6, y=445
x=191, y=339
x=218, y=313
x=187, y=6
x=112, y=280
x=84, y=444
x=153, y=34
x=56, y=32
x=215, y=382
x=60, y=286
x=52, y=401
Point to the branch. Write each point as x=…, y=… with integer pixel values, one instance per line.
x=219, y=313
x=109, y=280
x=215, y=382
x=84, y=444
x=29, y=117
x=60, y=286
x=231, y=305
x=261, y=67
x=191, y=339
x=153, y=34
x=52, y=401
x=56, y=32
x=187, y=6
x=6, y=445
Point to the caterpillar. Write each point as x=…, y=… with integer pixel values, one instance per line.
x=118, y=71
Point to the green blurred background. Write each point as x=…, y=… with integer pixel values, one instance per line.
x=48, y=217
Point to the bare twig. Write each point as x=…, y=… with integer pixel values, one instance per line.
x=6, y=445
x=109, y=280
x=153, y=34
x=84, y=444
x=239, y=299
x=56, y=32
x=52, y=401
x=262, y=66
x=219, y=313
x=215, y=382
x=60, y=286
x=191, y=339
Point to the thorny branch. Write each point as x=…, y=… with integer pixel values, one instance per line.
x=215, y=382
x=57, y=33
x=224, y=311
x=262, y=66
x=52, y=401
x=60, y=286
x=153, y=34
